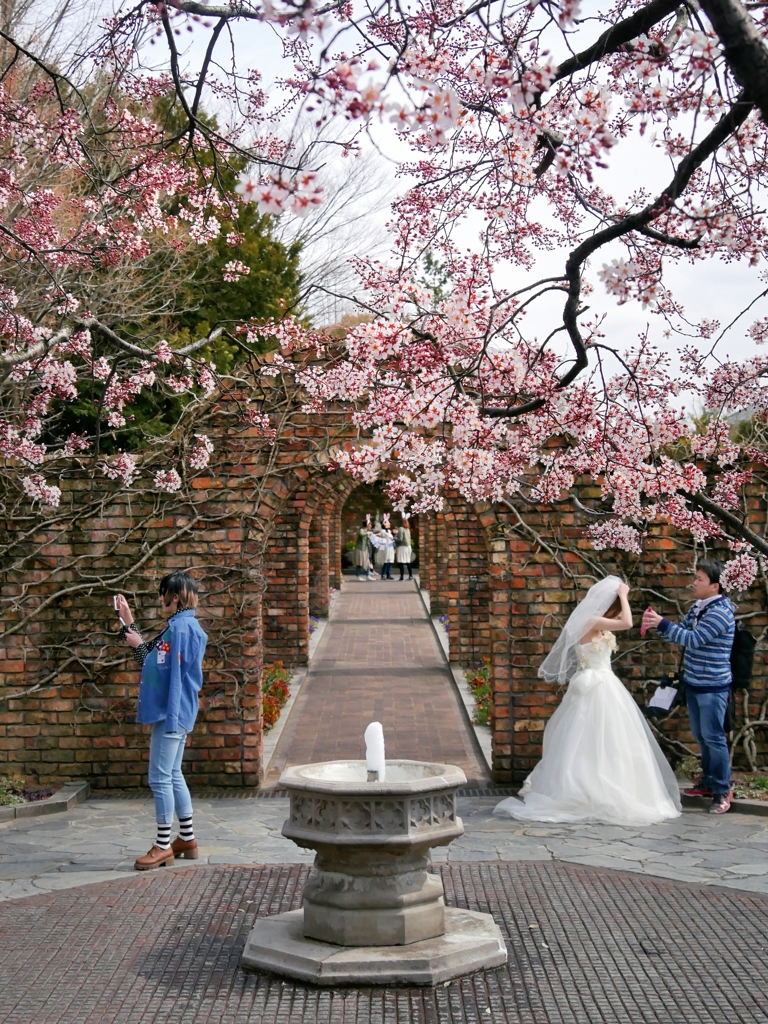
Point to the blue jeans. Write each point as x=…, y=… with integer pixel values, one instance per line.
x=707, y=714
x=166, y=749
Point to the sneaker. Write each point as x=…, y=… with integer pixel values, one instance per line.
x=698, y=790
x=721, y=803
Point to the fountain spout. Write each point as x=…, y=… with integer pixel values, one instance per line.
x=374, y=752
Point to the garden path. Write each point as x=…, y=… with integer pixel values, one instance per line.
x=378, y=660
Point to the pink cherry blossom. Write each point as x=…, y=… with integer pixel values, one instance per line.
x=739, y=573
x=513, y=121
x=167, y=480
x=121, y=467
x=234, y=270
x=38, y=490
x=200, y=455
x=614, y=534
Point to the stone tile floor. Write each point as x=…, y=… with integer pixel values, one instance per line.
x=585, y=946
x=603, y=924
x=101, y=838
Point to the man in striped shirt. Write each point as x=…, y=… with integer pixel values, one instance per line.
x=706, y=633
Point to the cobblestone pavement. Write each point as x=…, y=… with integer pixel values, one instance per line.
x=585, y=947
x=378, y=660
x=101, y=838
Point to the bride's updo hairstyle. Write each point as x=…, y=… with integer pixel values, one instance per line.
x=601, y=599
x=615, y=610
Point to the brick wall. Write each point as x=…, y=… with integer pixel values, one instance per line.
x=536, y=562
x=266, y=546
x=68, y=687
x=85, y=725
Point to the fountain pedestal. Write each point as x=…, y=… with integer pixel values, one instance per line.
x=373, y=913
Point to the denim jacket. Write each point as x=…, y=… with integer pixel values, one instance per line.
x=172, y=674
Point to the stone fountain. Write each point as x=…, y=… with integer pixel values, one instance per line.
x=373, y=913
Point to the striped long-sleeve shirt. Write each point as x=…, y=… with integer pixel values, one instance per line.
x=708, y=639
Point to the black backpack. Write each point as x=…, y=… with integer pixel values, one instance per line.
x=742, y=657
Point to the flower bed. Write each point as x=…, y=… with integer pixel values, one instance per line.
x=746, y=786
x=749, y=787
x=275, y=693
x=479, y=682
x=14, y=790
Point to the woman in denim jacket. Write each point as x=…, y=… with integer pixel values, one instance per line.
x=171, y=677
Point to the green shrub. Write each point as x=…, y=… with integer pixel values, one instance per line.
x=11, y=789
x=479, y=682
x=275, y=693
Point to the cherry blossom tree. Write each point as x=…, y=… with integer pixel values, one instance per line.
x=511, y=111
x=111, y=214
x=511, y=115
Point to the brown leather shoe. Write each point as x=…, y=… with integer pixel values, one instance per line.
x=185, y=848
x=156, y=858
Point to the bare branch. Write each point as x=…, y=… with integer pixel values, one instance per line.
x=616, y=37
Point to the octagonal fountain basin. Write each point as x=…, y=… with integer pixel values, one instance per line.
x=373, y=911
x=415, y=775
x=333, y=805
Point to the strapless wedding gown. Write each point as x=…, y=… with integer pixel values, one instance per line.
x=600, y=760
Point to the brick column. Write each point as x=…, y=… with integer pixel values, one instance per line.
x=250, y=702
x=438, y=593
x=469, y=590
x=318, y=562
x=286, y=601
x=500, y=594
x=335, y=543
x=426, y=553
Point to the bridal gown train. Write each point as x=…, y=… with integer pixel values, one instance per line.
x=600, y=760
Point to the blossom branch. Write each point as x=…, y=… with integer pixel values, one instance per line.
x=734, y=524
x=745, y=51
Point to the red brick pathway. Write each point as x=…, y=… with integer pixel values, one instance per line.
x=585, y=947
x=378, y=660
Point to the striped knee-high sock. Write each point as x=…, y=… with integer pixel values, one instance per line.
x=186, y=832
x=163, y=836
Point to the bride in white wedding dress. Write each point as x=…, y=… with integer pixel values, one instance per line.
x=600, y=760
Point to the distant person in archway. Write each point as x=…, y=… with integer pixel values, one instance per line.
x=404, y=550
x=389, y=553
x=361, y=556
x=171, y=677
x=384, y=555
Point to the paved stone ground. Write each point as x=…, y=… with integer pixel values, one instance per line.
x=585, y=947
x=101, y=838
x=378, y=660
x=678, y=935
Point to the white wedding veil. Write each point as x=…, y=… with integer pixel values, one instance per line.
x=562, y=661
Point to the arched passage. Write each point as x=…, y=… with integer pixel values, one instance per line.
x=371, y=499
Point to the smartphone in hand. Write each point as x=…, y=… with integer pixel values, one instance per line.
x=643, y=629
